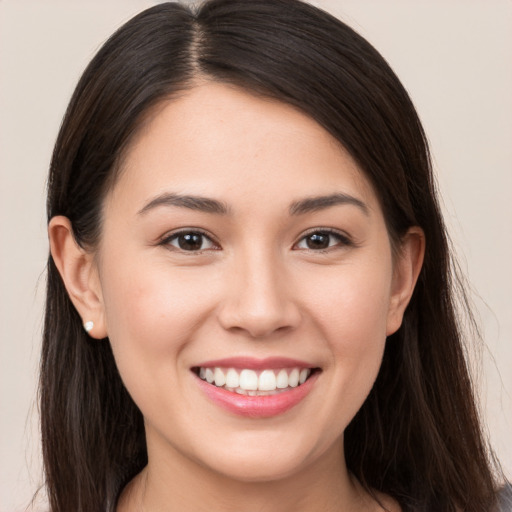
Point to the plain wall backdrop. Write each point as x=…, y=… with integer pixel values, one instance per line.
x=455, y=59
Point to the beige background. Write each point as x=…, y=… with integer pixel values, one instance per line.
x=455, y=58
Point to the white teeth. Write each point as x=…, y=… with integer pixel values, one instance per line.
x=248, y=380
x=220, y=378
x=282, y=379
x=267, y=381
x=293, y=378
x=232, y=378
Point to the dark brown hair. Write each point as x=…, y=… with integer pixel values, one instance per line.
x=417, y=436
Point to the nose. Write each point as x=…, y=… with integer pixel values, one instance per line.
x=259, y=300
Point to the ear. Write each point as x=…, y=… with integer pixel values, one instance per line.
x=406, y=270
x=78, y=270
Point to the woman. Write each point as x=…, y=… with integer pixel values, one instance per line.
x=249, y=294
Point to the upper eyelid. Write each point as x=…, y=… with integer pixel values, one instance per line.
x=322, y=229
x=181, y=231
x=330, y=231
x=172, y=234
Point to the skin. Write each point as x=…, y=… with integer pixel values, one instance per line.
x=254, y=289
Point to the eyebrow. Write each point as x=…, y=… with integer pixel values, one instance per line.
x=202, y=204
x=313, y=204
x=208, y=205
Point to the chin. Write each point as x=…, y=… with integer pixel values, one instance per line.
x=258, y=458
x=259, y=469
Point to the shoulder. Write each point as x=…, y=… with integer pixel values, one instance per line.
x=505, y=499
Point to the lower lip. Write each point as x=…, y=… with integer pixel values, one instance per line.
x=257, y=406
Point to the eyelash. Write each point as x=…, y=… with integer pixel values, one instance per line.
x=343, y=240
x=191, y=231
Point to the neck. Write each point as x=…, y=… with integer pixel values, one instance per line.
x=179, y=483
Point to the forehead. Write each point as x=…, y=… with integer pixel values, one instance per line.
x=220, y=141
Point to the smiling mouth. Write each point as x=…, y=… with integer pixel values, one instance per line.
x=255, y=382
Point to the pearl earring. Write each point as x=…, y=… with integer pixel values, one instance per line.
x=88, y=326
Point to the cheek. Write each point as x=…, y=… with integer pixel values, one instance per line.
x=151, y=316
x=351, y=312
x=357, y=335
x=351, y=306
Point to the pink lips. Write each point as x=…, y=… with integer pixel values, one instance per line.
x=257, y=406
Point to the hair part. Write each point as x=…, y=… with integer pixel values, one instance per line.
x=417, y=437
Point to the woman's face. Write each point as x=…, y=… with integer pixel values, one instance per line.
x=241, y=242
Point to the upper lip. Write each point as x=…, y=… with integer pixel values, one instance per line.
x=253, y=363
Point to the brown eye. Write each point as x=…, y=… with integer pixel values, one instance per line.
x=318, y=240
x=321, y=240
x=190, y=241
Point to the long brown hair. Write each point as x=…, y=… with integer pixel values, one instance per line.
x=417, y=437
